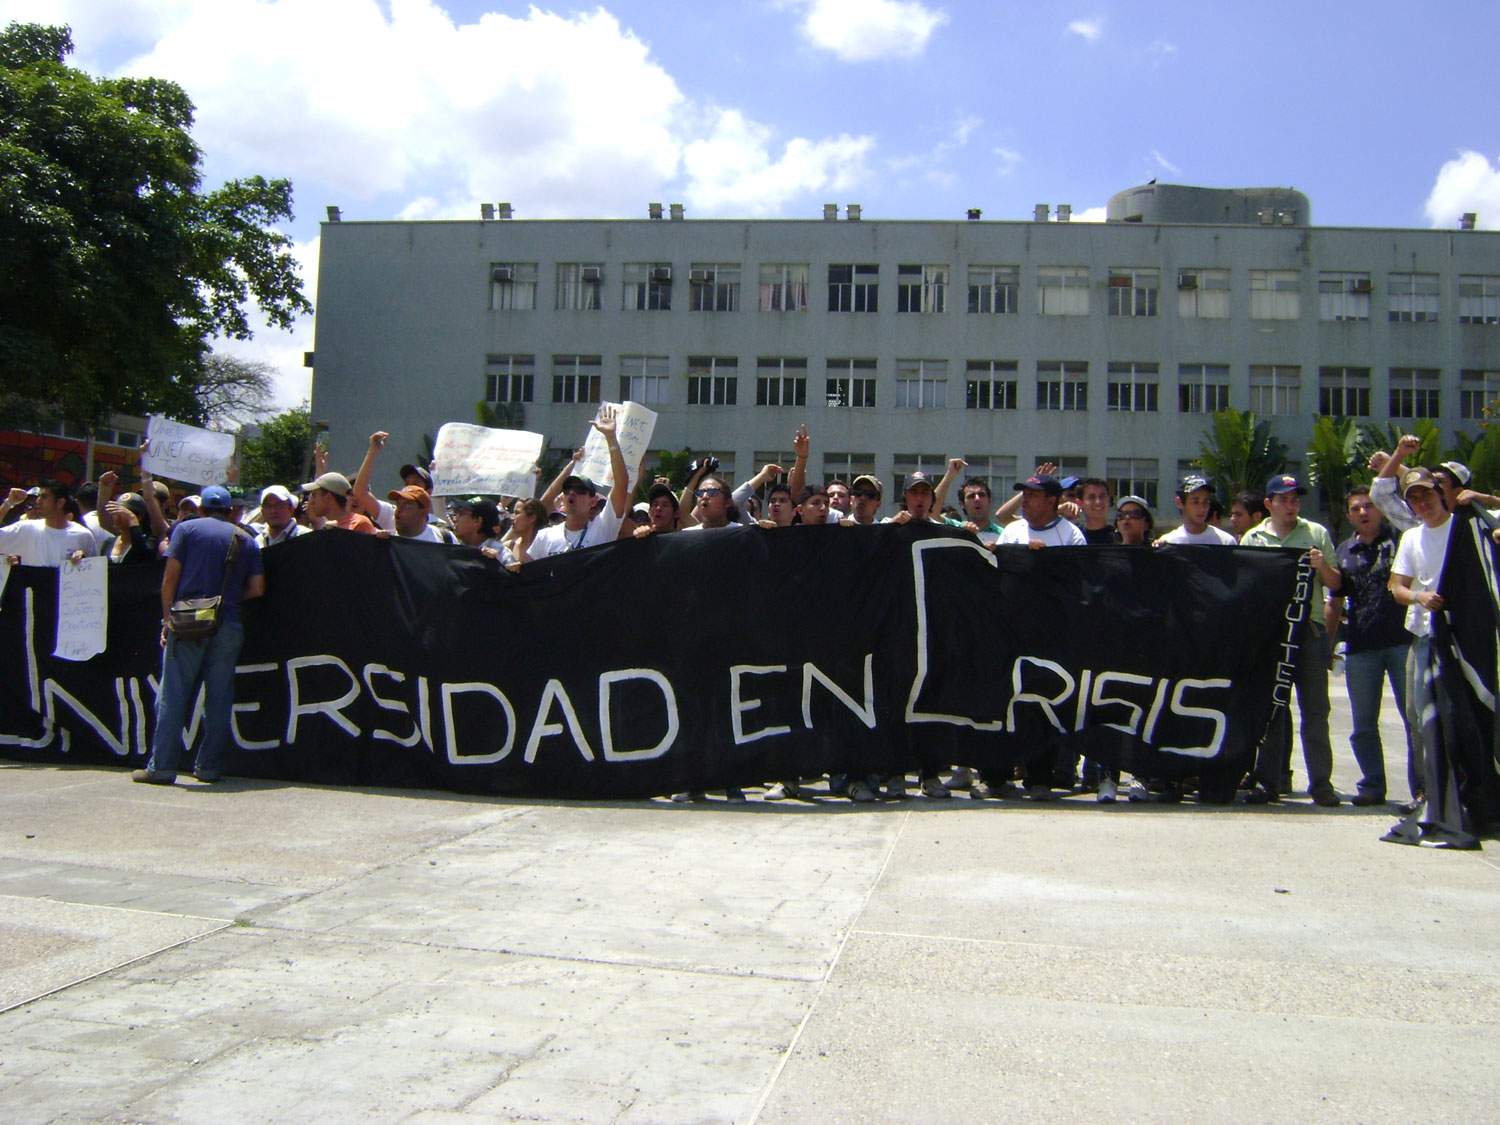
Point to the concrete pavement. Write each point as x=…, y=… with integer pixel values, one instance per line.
x=257, y=951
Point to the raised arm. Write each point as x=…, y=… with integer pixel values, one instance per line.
x=797, y=481
x=362, y=500
x=956, y=465
x=619, y=492
x=549, y=497
x=153, y=506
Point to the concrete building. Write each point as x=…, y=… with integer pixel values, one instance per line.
x=1102, y=346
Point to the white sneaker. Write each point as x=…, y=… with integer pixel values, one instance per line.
x=782, y=791
x=1108, y=790
x=963, y=778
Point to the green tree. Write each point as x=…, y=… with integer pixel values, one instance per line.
x=280, y=454
x=1337, y=460
x=233, y=390
x=116, y=269
x=1239, y=452
x=1425, y=429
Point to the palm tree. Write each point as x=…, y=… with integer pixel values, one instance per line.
x=1239, y=453
x=1338, y=459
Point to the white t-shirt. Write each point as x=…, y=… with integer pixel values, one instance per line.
x=1420, y=557
x=101, y=537
x=40, y=545
x=1210, y=536
x=1058, y=533
x=433, y=534
x=557, y=539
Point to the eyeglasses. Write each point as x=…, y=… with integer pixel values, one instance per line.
x=702, y=492
x=1130, y=516
x=864, y=493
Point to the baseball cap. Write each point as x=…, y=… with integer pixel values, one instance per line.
x=1417, y=478
x=1069, y=482
x=1041, y=482
x=1458, y=469
x=1192, y=483
x=417, y=470
x=1278, y=485
x=195, y=500
x=277, y=491
x=336, y=483
x=215, y=498
x=411, y=492
x=865, y=480
x=584, y=483
x=918, y=478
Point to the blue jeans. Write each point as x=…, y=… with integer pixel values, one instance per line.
x=1364, y=671
x=1273, y=761
x=184, y=665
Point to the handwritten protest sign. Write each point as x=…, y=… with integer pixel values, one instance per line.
x=634, y=426
x=82, y=608
x=186, y=453
x=478, y=461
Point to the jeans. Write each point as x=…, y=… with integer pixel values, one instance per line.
x=184, y=665
x=1364, y=672
x=1310, y=677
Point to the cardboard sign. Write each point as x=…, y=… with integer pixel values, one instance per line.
x=478, y=461
x=82, y=608
x=634, y=425
x=186, y=453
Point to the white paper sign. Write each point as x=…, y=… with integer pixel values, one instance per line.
x=82, y=608
x=634, y=426
x=186, y=453
x=478, y=461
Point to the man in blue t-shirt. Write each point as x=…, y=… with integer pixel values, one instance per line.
x=197, y=557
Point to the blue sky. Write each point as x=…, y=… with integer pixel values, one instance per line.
x=1382, y=113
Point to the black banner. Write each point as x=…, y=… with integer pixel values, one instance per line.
x=693, y=661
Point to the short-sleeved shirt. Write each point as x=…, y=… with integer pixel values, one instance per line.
x=1375, y=620
x=1210, y=536
x=1420, y=557
x=201, y=546
x=353, y=521
x=557, y=539
x=37, y=544
x=1099, y=536
x=1304, y=535
x=989, y=533
x=1058, y=533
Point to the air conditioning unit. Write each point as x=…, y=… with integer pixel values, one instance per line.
x=593, y=274
x=700, y=277
x=661, y=273
x=502, y=274
x=1187, y=281
x=1361, y=285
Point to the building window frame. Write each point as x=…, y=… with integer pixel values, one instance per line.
x=713, y=380
x=646, y=379
x=580, y=286
x=784, y=286
x=509, y=378
x=994, y=290
x=1062, y=290
x=1133, y=290
x=576, y=378
x=1478, y=298
x=1275, y=294
x=513, y=286
x=1344, y=295
x=1415, y=392
x=854, y=287
x=714, y=287
x=1202, y=388
x=921, y=384
x=646, y=286
x=1132, y=388
x=780, y=381
x=1062, y=384
x=992, y=384
x=921, y=289
x=1275, y=389
x=846, y=387
x=1344, y=392
x=1413, y=298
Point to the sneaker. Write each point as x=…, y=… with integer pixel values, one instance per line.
x=1324, y=794
x=1107, y=791
x=208, y=778
x=895, y=789
x=690, y=795
x=1414, y=804
x=934, y=787
x=980, y=791
x=1041, y=793
x=860, y=791
x=963, y=778
x=734, y=796
x=1365, y=800
x=782, y=791
x=1138, y=791
x=146, y=777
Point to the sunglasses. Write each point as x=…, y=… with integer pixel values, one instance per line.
x=1130, y=516
x=864, y=493
x=702, y=492
x=576, y=491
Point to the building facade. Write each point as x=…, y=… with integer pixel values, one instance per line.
x=1105, y=347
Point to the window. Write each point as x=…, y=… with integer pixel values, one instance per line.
x=1203, y=294
x=1275, y=294
x=1344, y=392
x=1063, y=290
x=854, y=288
x=780, y=382
x=712, y=380
x=645, y=379
x=509, y=378
x=783, y=286
x=994, y=289
x=933, y=464
x=851, y=382
x=1343, y=295
x=1414, y=392
x=999, y=472
x=1478, y=299
x=1062, y=385
x=1478, y=394
x=1132, y=387
x=922, y=384
x=990, y=384
x=1413, y=298
x=1202, y=388
x=575, y=378
x=580, y=285
x=1275, y=390
x=846, y=466
x=648, y=286
x=921, y=289
x=1132, y=292
x=714, y=287
x=513, y=286
x=1133, y=476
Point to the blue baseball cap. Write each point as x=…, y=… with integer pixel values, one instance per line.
x=214, y=498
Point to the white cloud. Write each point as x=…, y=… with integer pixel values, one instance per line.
x=862, y=30
x=734, y=169
x=284, y=350
x=1161, y=48
x=1468, y=183
x=1164, y=164
x=1089, y=29
x=1090, y=215
x=1007, y=161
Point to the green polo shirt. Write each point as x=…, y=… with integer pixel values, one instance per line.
x=1303, y=536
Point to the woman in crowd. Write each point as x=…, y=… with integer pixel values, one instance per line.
x=527, y=518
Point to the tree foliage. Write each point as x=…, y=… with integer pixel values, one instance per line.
x=280, y=454
x=233, y=390
x=1239, y=453
x=1337, y=460
x=116, y=269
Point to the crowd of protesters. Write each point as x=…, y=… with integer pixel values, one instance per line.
x=1377, y=588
